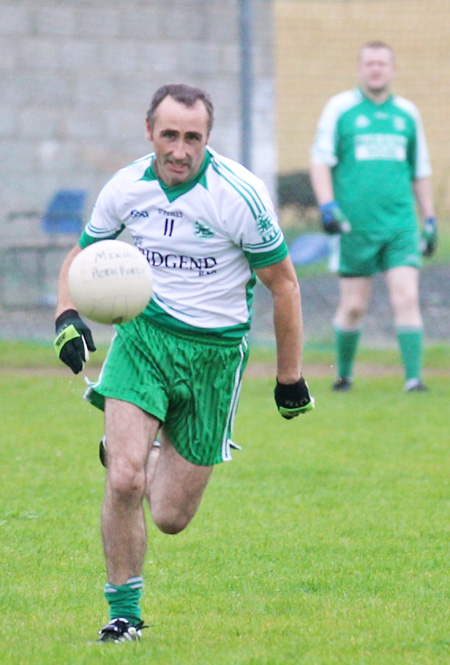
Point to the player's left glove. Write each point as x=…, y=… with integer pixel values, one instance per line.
x=428, y=242
x=293, y=399
x=73, y=340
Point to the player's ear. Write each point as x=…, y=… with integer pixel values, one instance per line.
x=148, y=131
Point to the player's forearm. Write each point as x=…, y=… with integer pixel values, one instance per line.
x=322, y=183
x=288, y=333
x=64, y=300
x=424, y=196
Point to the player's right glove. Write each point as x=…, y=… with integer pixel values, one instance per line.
x=72, y=338
x=333, y=219
x=428, y=241
x=293, y=399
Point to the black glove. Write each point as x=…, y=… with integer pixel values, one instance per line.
x=333, y=219
x=428, y=241
x=72, y=338
x=293, y=399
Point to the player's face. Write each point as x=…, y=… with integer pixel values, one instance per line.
x=179, y=135
x=376, y=70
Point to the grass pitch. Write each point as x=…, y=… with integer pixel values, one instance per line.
x=324, y=542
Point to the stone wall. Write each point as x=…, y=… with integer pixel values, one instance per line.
x=78, y=75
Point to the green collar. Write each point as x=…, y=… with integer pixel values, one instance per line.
x=174, y=192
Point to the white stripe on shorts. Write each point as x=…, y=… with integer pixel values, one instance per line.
x=226, y=442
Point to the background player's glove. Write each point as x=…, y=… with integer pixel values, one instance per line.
x=73, y=337
x=293, y=399
x=428, y=242
x=333, y=219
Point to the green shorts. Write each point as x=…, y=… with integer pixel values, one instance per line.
x=191, y=386
x=362, y=254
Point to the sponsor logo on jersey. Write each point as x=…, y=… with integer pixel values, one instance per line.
x=138, y=213
x=202, y=230
x=265, y=227
x=391, y=147
x=167, y=213
x=205, y=265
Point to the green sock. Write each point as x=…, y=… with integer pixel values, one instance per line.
x=410, y=339
x=124, y=600
x=346, y=342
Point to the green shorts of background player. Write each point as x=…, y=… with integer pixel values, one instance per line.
x=360, y=256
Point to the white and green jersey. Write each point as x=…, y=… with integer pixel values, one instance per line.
x=203, y=239
x=375, y=151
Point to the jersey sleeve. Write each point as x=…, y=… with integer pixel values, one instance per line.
x=255, y=226
x=422, y=165
x=324, y=148
x=105, y=222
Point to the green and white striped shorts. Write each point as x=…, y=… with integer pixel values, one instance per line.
x=192, y=386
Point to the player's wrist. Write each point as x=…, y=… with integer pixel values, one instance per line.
x=65, y=317
x=328, y=206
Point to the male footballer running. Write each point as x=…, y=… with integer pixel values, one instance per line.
x=207, y=227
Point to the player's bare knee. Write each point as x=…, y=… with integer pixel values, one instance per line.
x=171, y=522
x=125, y=481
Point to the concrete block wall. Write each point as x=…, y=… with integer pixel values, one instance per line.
x=78, y=75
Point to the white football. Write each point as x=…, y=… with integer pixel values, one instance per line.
x=110, y=281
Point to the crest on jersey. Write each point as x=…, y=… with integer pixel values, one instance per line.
x=202, y=230
x=399, y=123
x=265, y=227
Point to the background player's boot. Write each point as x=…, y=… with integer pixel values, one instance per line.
x=415, y=386
x=342, y=384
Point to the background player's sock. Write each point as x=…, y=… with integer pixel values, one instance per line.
x=410, y=340
x=346, y=342
x=124, y=600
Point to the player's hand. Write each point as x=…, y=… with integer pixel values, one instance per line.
x=293, y=399
x=73, y=340
x=333, y=219
x=428, y=242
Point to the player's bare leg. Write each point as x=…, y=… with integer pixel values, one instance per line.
x=174, y=488
x=129, y=432
x=355, y=294
x=403, y=286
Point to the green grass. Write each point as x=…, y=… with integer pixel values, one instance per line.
x=324, y=542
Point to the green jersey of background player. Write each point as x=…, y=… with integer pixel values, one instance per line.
x=208, y=227
x=370, y=168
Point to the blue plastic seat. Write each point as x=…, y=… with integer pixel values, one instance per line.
x=65, y=211
x=309, y=248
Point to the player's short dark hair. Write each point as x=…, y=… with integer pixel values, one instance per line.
x=184, y=94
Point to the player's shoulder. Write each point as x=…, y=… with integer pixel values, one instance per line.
x=342, y=102
x=405, y=105
x=229, y=171
x=132, y=172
